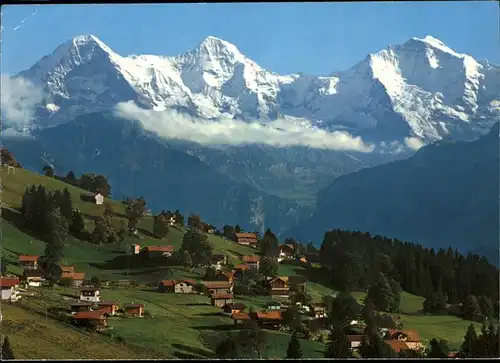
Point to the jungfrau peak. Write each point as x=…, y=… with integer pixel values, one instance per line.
x=421, y=88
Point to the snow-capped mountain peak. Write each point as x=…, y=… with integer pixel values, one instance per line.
x=420, y=88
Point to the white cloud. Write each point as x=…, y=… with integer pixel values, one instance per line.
x=19, y=98
x=414, y=143
x=12, y=133
x=226, y=131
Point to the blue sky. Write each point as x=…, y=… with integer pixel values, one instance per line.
x=316, y=38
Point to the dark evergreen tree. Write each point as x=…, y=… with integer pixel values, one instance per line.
x=197, y=244
x=373, y=346
x=437, y=349
x=160, y=225
x=77, y=224
x=269, y=244
x=338, y=345
x=70, y=178
x=344, y=309
x=268, y=266
x=294, y=351
x=382, y=295
x=7, y=353
x=469, y=346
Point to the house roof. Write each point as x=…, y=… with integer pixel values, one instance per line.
x=282, y=278
x=9, y=281
x=97, y=315
x=217, y=284
x=240, y=316
x=412, y=335
x=287, y=246
x=355, y=338
x=28, y=258
x=168, y=283
x=251, y=259
x=189, y=281
x=245, y=235
x=159, y=248
x=73, y=275
x=89, y=288
x=241, y=267
x=238, y=306
x=269, y=315
x=398, y=345
x=221, y=296
x=133, y=306
x=32, y=273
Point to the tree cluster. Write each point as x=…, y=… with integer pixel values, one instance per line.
x=355, y=260
x=49, y=215
x=8, y=158
x=196, y=244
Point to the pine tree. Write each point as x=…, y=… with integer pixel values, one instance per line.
x=77, y=224
x=467, y=350
x=65, y=204
x=382, y=295
x=70, y=178
x=187, y=261
x=7, y=353
x=373, y=346
x=160, y=226
x=338, y=345
x=436, y=350
x=368, y=313
x=294, y=351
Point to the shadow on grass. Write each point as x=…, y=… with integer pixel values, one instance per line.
x=225, y=327
x=123, y=262
x=212, y=314
x=15, y=217
x=71, y=296
x=236, y=253
x=193, y=353
x=146, y=232
x=91, y=217
x=197, y=304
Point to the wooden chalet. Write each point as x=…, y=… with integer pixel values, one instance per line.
x=134, y=309
x=220, y=300
x=108, y=307
x=90, y=319
x=29, y=262
x=246, y=239
x=185, y=286
x=231, y=309
x=252, y=261
x=219, y=287
x=153, y=252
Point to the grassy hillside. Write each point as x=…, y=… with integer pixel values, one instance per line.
x=178, y=326
x=94, y=260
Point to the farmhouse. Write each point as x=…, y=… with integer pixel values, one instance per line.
x=177, y=286
x=355, y=340
x=273, y=318
x=28, y=262
x=33, y=278
x=252, y=261
x=219, y=287
x=217, y=261
x=153, y=252
x=286, y=251
x=134, y=309
x=246, y=239
x=409, y=337
x=220, y=300
x=80, y=306
x=278, y=287
x=240, y=318
x=90, y=319
x=90, y=294
x=231, y=309
x=76, y=278
x=9, y=287
x=318, y=310
x=108, y=307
